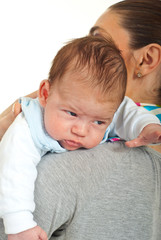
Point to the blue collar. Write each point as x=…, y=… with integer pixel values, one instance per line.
x=34, y=113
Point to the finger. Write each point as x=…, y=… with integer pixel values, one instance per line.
x=16, y=108
x=136, y=143
x=131, y=144
x=43, y=236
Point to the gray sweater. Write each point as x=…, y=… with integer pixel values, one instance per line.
x=107, y=193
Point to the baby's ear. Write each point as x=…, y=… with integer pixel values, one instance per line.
x=43, y=92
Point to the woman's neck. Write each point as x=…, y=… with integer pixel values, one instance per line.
x=146, y=89
x=144, y=98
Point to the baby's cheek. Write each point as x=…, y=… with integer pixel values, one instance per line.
x=55, y=127
x=94, y=142
x=53, y=130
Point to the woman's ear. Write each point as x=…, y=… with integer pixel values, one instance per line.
x=43, y=92
x=148, y=58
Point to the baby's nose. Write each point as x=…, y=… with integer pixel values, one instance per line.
x=80, y=129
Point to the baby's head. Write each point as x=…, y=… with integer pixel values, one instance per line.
x=86, y=85
x=98, y=63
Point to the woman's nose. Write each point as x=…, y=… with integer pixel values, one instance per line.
x=80, y=129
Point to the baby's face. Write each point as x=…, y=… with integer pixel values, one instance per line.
x=75, y=118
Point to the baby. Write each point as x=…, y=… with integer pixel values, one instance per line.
x=81, y=105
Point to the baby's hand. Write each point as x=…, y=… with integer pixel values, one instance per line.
x=149, y=135
x=35, y=233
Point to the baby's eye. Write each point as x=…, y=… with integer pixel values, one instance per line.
x=98, y=122
x=72, y=113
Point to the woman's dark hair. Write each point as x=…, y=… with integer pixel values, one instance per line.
x=142, y=19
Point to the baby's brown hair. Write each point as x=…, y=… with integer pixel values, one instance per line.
x=98, y=58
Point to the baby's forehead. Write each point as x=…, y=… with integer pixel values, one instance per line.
x=73, y=84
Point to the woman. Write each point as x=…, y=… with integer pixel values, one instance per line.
x=135, y=26
x=114, y=194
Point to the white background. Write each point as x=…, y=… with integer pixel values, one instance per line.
x=31, y=32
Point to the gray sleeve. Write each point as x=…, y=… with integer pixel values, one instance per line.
x=109, y=192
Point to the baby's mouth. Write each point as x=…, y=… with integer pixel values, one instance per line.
x=70, y=144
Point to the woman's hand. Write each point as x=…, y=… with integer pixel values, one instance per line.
x=9, y=115
x=35, y=233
